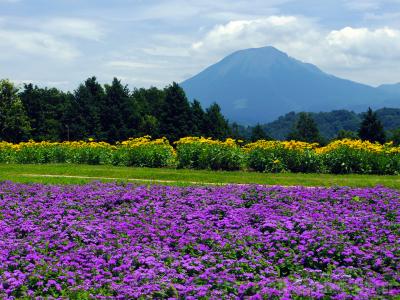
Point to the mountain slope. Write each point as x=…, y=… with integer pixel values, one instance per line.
x=260, y=84
x=393, y=89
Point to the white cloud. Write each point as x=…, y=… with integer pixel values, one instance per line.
x=381, y=43
x=127, y=64
x=253, y=33
x=73, y=27
x=14, y=42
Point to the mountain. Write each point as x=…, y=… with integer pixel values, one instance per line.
x=260, y=84
x=393, y=89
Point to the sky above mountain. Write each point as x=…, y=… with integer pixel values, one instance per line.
x=146, y=42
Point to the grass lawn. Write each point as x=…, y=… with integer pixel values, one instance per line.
x=77, y=174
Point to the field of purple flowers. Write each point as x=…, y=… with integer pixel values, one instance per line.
x=108, y=241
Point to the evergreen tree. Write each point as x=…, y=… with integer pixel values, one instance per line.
x=45, y=109
x=346, y=134
x=305, y=130
x=395, y=137
x=14, y=122
x=258, y=133
x=149, y=125
x=175, y=118
x=83, y=117
x=236, y=132
x=371, y=128
x=149, y=101
x=116, y=111
x=198, y=119
x=216, y=125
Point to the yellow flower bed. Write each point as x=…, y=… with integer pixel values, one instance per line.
x=290, y=145
x=358, y=145
x=342, y=156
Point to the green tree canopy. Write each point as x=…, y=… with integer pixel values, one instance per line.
x=371, y=128
x=305, y=130
x=258, y=133
x=346, y=134
x=175, y=118
x=14, y=122
x=216, y=125
x=83, y=117
x=198, y=118
x=118, y=116
x=45, y=109
x=395, y=137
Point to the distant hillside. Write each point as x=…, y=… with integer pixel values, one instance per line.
x=393, y=89
x=329, y=123
x=259, y=85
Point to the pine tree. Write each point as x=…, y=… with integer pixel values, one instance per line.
x=83, y=117
x=45, y=109
x=371, y=128
x=14, y=122
x=216, y=125
x=258, y=133
x=305, y=130
x=395, y=137
x=198, y=118
x=113, y=113
x=175, y=119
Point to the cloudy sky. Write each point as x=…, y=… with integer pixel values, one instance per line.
x=147, y=42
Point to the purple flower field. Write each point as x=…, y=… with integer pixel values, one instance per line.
x=106, y=241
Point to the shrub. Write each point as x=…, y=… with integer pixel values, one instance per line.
x=144, y=152
x=202, y=153
x=276, y=156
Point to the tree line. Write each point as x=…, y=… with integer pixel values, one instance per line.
x=112, y=113
x=109, y=112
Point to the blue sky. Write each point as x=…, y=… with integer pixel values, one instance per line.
x=145, y=42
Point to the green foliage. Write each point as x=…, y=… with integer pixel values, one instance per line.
x=329, y=123
x=213, y=156
x=175, y=119
x=371, y=128
x=117, y=113
x=14, y=122
x=305, y=130
x=346, y=134
x=395, y=137
x=345, y=160
x=258, y=133
x=217, y=126
x=45, y=109
x=146, y=155
x=279, y=159
x=198, y=118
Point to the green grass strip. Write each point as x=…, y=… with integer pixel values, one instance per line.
x=79, y=174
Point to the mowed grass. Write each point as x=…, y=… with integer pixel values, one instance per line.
x=79, y=174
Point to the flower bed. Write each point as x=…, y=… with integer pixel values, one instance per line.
x=339, y=157
x=122, y=241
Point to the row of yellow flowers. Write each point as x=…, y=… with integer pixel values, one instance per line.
x=342, y=156
x=263, y=144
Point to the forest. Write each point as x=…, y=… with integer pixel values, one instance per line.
x=109, y=112
x=113, y=112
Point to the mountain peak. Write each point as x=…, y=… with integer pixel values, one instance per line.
x=259, y=84
x=267, y=50
x=258, y=63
